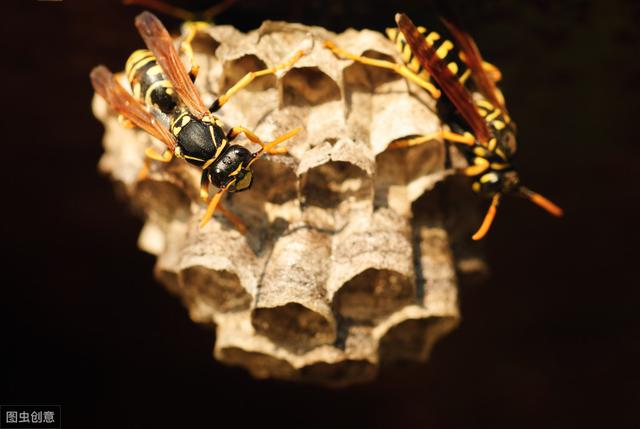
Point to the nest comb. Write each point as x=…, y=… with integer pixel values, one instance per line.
x=348, y=261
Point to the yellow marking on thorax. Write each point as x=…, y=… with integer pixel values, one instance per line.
x=492, y=144
x=179, y=123
x=223, y=144
x=453, y=67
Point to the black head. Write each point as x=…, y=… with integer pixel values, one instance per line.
x=233, y=165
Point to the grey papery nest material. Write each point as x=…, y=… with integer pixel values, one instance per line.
x=348, y=262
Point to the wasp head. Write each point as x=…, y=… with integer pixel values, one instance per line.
x=232, y=169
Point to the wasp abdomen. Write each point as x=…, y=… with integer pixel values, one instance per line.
x=149, y=83
x=444, y=48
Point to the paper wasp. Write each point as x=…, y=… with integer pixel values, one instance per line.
x=163, y=90
x=482, y=127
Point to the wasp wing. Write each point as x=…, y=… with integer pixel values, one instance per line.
x=106, y=84
x=474, y=61
x=459, y=96
x=158, y=40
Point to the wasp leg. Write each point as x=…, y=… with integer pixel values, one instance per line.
x=466, y=138
x=125, y=123
x=398, y=68
x=191, y=29
x=204, y=194
x=481, y=165
x=266, y=147
x=152, y=155
x=249, y=77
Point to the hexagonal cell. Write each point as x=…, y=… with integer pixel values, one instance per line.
x=291, y=308
x=219, y=288
x=358, y=75
x=374, y=293
x=413, y=339
x=204, y=44
x=236, y=69
x=274, y=182
x=293, y=326
x=331, y=183
x=308, y=86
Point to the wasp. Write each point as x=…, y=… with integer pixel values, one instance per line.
x=481, y=126
x=163, y=91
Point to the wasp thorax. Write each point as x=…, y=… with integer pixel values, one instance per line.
x=232, y=166
x=198, y=139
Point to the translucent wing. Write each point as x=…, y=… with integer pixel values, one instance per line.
x=448, y=82
x=158, y=40
x=106, y=84
x=474, y=61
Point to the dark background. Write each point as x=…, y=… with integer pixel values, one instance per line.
x=550, y=341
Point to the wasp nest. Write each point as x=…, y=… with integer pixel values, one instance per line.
x=347, y=263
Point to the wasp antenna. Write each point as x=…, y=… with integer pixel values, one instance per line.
x=541, y=201
x=488, y=219
x=163, y=7
x=217, y=9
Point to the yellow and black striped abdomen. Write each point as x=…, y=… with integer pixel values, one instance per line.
x=445, y=49
x=148, y=82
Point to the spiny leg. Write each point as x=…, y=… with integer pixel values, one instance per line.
x=398, y=68
x=488, y=219
x=249, y=77
x=466, y=138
